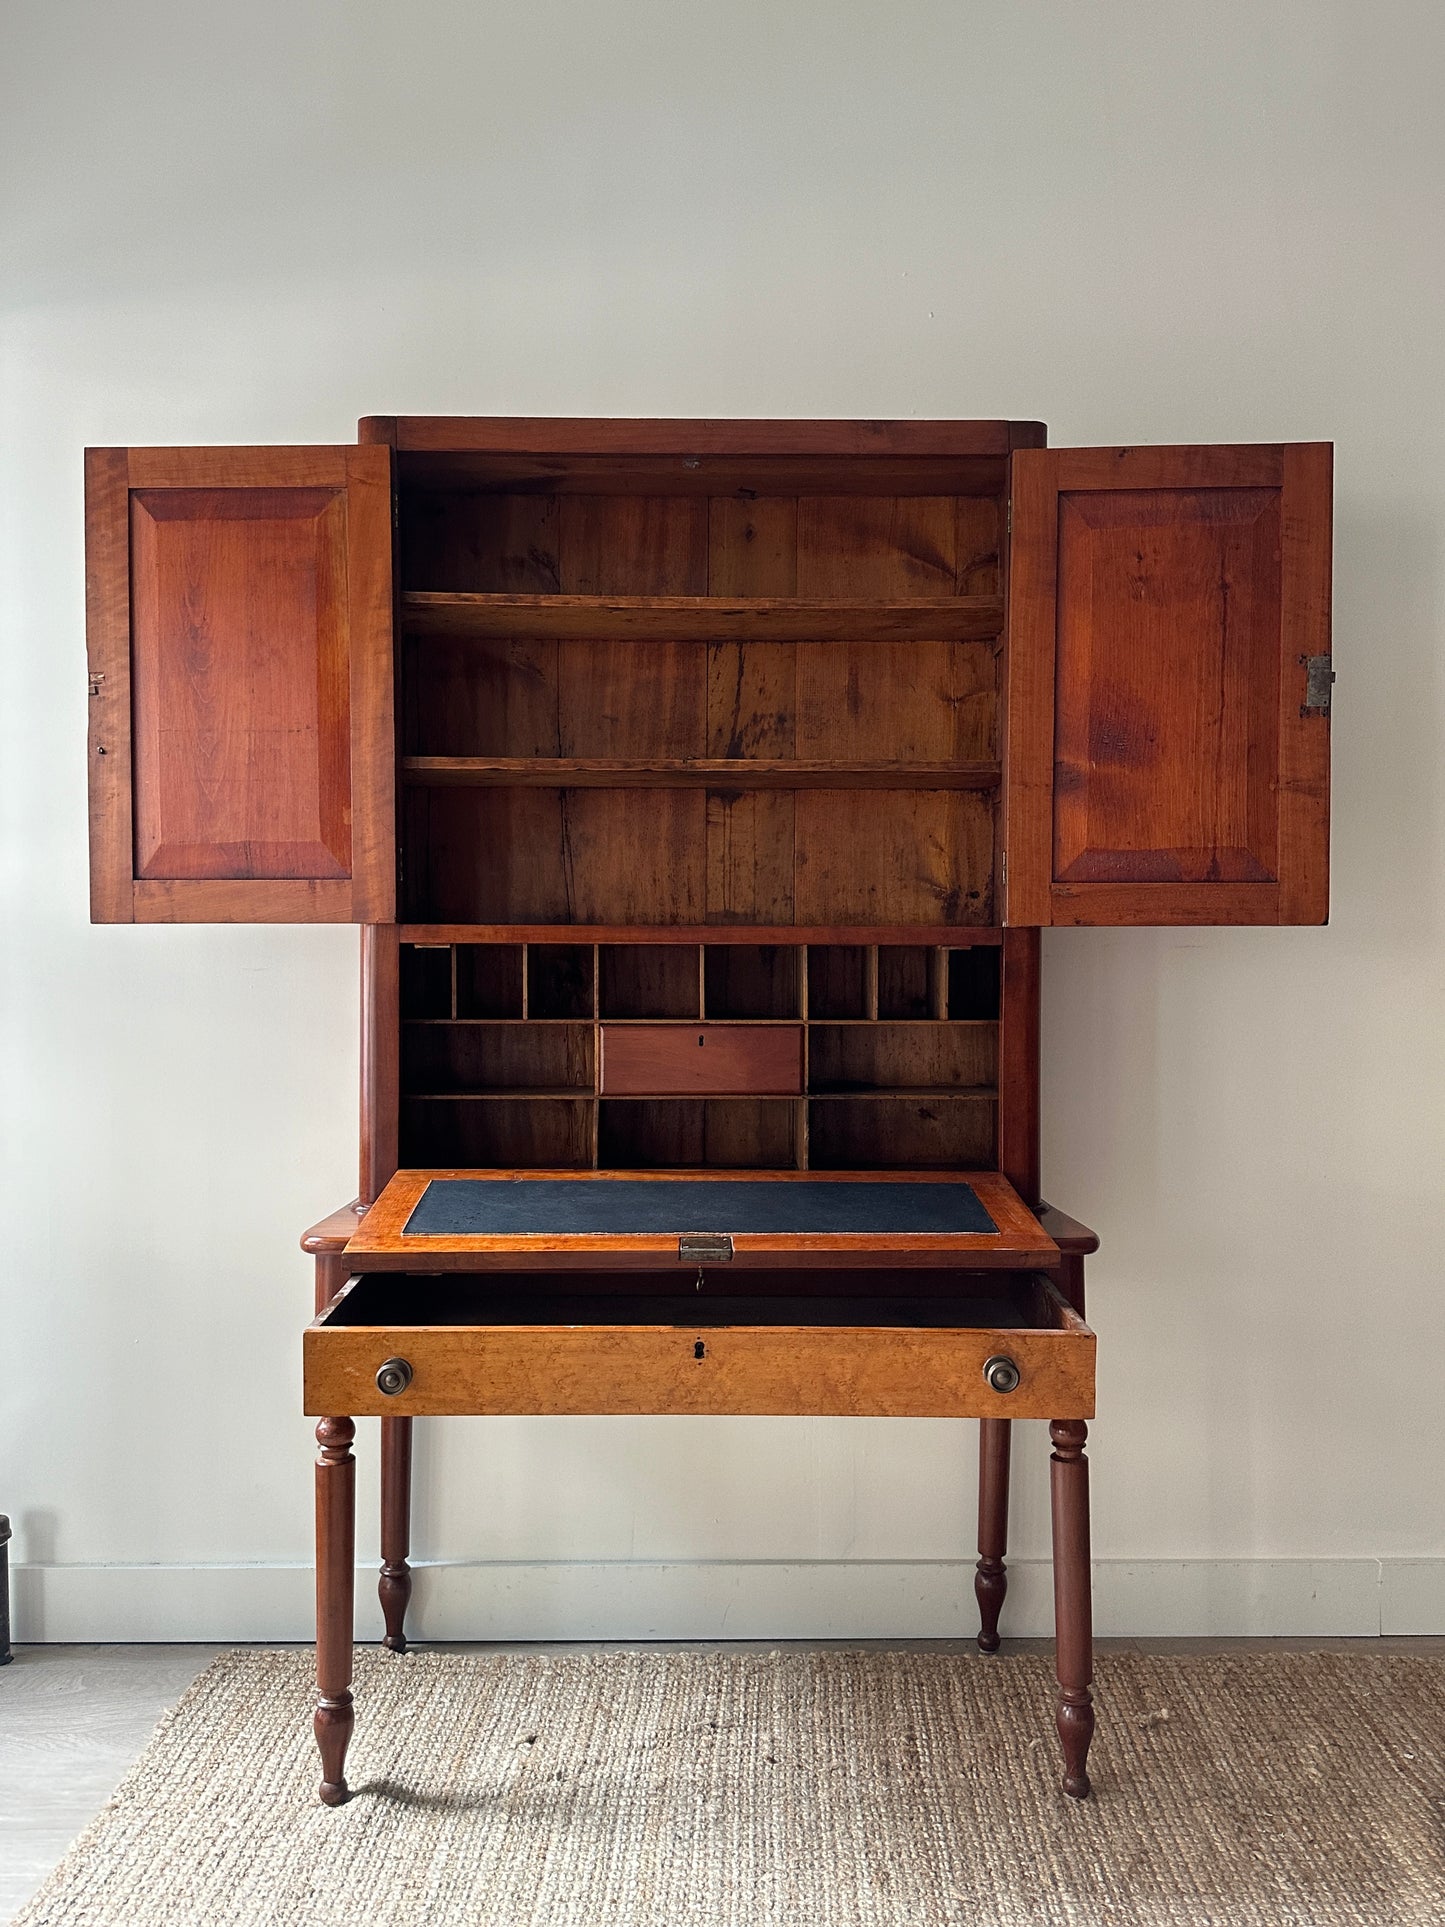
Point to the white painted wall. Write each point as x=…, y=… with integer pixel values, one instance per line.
x=1140, y=223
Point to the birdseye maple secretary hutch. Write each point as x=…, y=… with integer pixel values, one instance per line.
x=701, y=789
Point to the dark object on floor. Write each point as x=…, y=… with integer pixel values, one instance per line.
x=5, y=1653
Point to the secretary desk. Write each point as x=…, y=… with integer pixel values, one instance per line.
x=701, y=789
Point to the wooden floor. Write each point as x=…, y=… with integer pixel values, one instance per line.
x=72, y=1718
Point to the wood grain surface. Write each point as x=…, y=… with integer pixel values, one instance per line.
x=239, y=630
x=702, y=618
x=381, y=1241
x=662, y=437
x=1161, y=765
x=881, y=1371
x=707, y=1059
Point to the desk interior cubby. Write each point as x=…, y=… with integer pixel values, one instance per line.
x=650, y=695
x=501, y=1054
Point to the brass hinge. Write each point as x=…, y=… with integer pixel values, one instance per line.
x=97, y=677
x=705, y=1247
x=1318, y=680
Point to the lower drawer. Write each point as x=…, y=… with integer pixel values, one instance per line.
x=976, y=1346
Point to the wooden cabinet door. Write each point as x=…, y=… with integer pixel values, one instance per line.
x=238, y=614
x=1167, y=741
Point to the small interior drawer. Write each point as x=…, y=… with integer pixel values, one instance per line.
x=512, y=1344
x=707, y=1060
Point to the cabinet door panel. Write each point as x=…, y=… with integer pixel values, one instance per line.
x=1163, y=763
x=240, y=653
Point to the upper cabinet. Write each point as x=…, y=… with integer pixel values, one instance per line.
x=1167, y=741
x=239, y=618
x=710, y=673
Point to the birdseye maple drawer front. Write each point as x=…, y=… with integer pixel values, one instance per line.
x=397, y=1345
x=711, y=1060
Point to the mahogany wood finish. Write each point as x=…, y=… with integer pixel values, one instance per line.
x=1018, y=1072
x=1163, y=762
x=1073, y=1600
x=738, y=659
x=649, y=1060
x=394, y=1585
x=504, y=1060
x=720, y=459
x=1076, y=1242
x=807, y=856
x=990, y=1582
x=382, y=1242
x=380, y=1057
x=784, y=735
x=1067, y=1233
x=331, y=1235
x=848, y=934
x=239, y=630
x=559, y=436
x=699, y=773
x=335, y=1584
x=471, y=614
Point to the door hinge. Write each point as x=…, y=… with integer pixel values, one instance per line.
x=1319, y=677
x=705, y=1247
x=97, y=677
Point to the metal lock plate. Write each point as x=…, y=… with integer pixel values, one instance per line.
x=705, y=1247
x=1319, y=679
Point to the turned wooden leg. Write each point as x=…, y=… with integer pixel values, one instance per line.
x=335, y=1587
x=1073, y=1600
x=990, y=1579
x=394, y=1586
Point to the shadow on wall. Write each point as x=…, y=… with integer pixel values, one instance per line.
x=1385, y=731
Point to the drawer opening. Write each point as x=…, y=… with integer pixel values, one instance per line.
x=942, y=1301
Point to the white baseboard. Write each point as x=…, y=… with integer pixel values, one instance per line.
x=763, y=1599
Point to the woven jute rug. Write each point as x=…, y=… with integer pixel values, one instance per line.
x=826, y=1789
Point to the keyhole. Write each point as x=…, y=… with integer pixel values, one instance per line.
x=699, y=1350
x=700, y=1042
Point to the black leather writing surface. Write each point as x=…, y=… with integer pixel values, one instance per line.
x=629, y=1207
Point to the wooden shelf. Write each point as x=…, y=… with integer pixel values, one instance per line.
x=712, y=773
x=700, y=1097
x=574, y=1093
x=702, y=618
x=502, y=1023
x=585, y=1093
x=899, y=1023
x=947, y=936
x=969, y=1093
x=793, y=652
x=813, y=1023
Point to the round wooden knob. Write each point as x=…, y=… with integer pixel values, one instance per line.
x=1001, y=1373
x=393, y=1377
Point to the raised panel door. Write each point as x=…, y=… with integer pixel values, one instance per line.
x=1167, y=743
x=241, y=689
